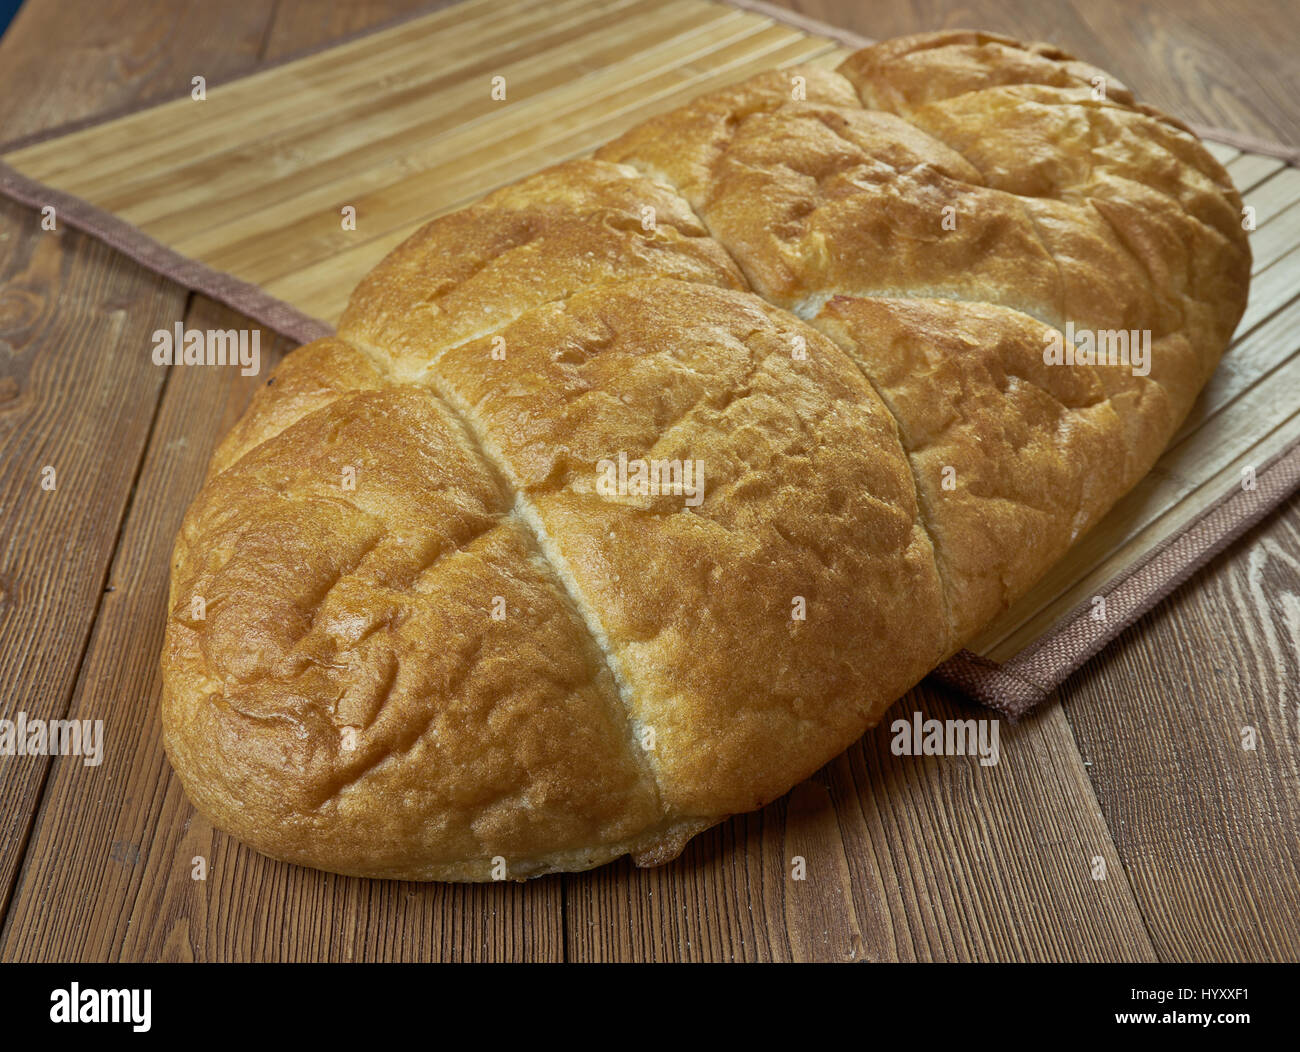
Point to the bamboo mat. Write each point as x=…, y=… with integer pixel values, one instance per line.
x=241, y=195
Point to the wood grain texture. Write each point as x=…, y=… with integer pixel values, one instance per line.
x=908, y=859
x=298, y=25
x=1196, y=762
x=61, y=67
x=77, y=392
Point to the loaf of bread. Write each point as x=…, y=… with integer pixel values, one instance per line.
x=629, y=496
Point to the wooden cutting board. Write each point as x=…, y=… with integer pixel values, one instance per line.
x=402, y=125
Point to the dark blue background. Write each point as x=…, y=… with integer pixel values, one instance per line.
x=8, y=8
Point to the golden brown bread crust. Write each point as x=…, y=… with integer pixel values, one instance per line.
x=412, y=636
x=901, y=74
x=1036, y=451
x=793, y=510
x=472, y=272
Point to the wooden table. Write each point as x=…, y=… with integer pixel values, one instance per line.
x=1138, y=774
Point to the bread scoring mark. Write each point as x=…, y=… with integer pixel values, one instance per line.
x=559, y=566
x=480, y=444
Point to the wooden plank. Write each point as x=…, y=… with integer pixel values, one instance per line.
x=113, y=881
x=1205, y=825
x=908, y=858
x=58, y=69
x=77, y=392
x=302, y=24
